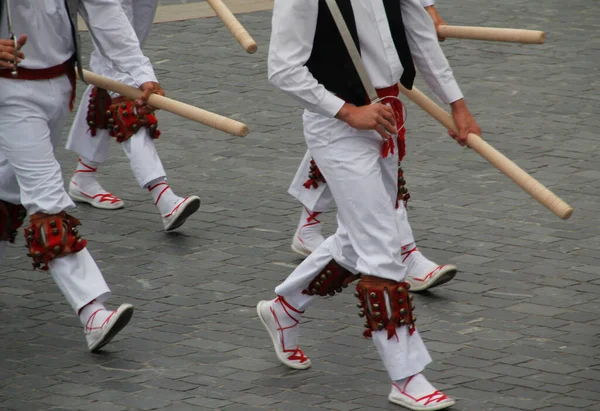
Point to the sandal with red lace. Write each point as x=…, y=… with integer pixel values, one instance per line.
x=281, y=321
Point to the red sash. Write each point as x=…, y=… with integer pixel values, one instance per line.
x=387, y=96
x=67, y=68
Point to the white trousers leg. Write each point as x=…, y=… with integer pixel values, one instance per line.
x=140, y=149
x=315, y=199
x=32, y=115
x=370, y=232
x=79, y=279
x=81, y=141
x=143, y=158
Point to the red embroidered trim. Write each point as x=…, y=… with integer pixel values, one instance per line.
x=434, y=397
x=296, y=354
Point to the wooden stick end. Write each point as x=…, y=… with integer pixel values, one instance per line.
x=567, y=213
x=251, y=48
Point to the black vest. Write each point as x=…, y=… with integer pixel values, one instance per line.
x=331, y=65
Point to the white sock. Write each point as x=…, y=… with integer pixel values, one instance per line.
x=418, y=266
x=84, y=177
x=164, y=198
x=416, y=386
x=309, y=228
x=288, y=319
x=86, y=313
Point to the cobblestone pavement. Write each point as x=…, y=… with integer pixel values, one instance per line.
x=517, y=330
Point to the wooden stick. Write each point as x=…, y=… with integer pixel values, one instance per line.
x=493, y=34
x=173, y=106
x=533, y=187
x=234, y=26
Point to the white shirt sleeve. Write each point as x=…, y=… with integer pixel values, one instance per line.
x=292, y=36
x=427, y=3
x=115, y=38
x=427, y=53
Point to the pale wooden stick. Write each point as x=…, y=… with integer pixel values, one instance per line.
x=493, y=34
x=173, y=106
x=533, y=187
x=234, y=26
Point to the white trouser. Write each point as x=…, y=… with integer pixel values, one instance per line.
x=32, y=114
x=140, y=149
x=370, y=230
x=315, y=199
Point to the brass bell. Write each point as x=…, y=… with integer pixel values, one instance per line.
x=57, y=249
x=124, y=105
x=380, y=326
x=328, y=273
x=356, y=294
x=359, y=305
x=108, y=112
x=410, y=296
x=372, y=295
x=407, y=286
x=367, y=325
x=414, y=318
x=111, y=121
x=361, y=313
x=153, y=127
x=55, y=231
x=125, y=113
x=120, y=135
x=344, y=285
x=402, y=311
x=339, y=290
x=402, y=321
x=376, y=306
x=91, y=123
x=331, y=293
x=53, y=223
x=37, y=254
x=400, y=301
x=323, y=277
x=377, y=315
x=312, y=176
x=318, y=284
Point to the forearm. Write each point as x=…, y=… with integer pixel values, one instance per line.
x=427, y=53
x=115, y=38
x=294, y=27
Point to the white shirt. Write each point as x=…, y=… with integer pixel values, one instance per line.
x=294, y=26
x=50, y=42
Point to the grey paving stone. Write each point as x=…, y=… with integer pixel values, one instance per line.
x=516, y=330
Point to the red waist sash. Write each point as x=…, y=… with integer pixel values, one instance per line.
x=67, y=68
x=389, y=96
